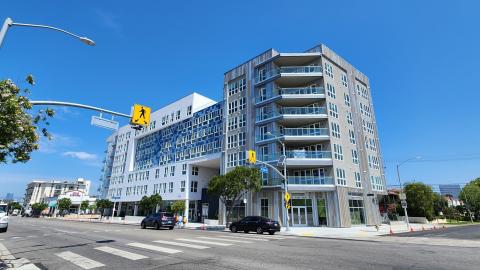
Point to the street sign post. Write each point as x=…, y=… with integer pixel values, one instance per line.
x=404, y=204
x=403, y=196
x=140, y=115
x=287, y=196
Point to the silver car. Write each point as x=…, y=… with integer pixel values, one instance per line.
x=3, y=221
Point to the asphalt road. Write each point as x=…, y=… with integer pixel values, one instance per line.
x=466, y=232
x=54, y=244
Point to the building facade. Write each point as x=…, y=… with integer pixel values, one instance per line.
x=314, y=104
x=39, y=191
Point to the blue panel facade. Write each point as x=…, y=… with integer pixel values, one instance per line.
x=195, y=137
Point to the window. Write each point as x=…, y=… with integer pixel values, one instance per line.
x=349, y=118
x=242, y=120
x=341, y=181
x=338, y=151
x=241, y=138
x=182, y=186
x=335, y=130
x=358, y=181
x=164, y=185
x=194, y=170
x=354, y=156
x=172, y=171
x=376, y=183
x=333, y=110
x=264, y=207
x=178, y=115
x=145, y=189
x=232, y=106
x=189, y=110
x=232, y=160
x=344, y=80
x=232, y=123
x=237, y=86
x=243, y=103
x=232, y=141
x=184, y=168
x=357, y=215
x=194, y=186
x=157, y=173
x=346, y=97
x=329, y=70
x=351, y=134
x=331, y=91
x=170, y=187
x=165, y=172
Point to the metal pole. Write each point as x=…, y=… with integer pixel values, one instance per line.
x=225, y=86
x=286, y=181
x=8, y=22
x=69, y=104
x=401, y=192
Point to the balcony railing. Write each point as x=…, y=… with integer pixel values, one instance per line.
x=299, y=180
x=265, y=116
x=304, y=131
x=291, y=92
x=299, y=154
x=288, y=69
x=300, y=69
x=303, y=110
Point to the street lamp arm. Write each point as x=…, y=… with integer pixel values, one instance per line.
x=69, y=104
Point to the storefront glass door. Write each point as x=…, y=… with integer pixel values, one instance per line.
x=299, y=216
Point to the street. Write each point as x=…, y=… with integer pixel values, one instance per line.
x=56, y=244
x=468, y=232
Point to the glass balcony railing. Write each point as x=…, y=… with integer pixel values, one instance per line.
x=260, y=77
x=294, y=132
x=299, y=154
x=304, y=131
x=291, y=92
x=300, y=69
x=303, y=110
x=299, y=180
x=310, y=180
x=265, y=116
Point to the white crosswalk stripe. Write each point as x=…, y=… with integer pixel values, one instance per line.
x=121, y=253
x=79, y=260
x=226, y=240
x=204, y=242
x=239, y=237
x=155, y=248
x=180, y=244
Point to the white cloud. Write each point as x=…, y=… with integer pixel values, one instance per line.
x=80, y=155
x=57, y=141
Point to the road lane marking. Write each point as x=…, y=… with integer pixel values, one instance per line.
x=227, y=240
x=239, y=237
x=180, y=244
x=203, y=242
x=155, y=248
x=125, y=254
x=15, y=237
x=79, y=260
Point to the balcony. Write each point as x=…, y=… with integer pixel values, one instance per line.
x=308, y=159
x=302, y=182
x=295, y=72
x=293, y=96
x=303, y=135
x=295, y=115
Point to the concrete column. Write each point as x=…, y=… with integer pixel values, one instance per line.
x=314, y=209
x=135, y=210
x=187, y=193
x=119, y=208
x=276, y=207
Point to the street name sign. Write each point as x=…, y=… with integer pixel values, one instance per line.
x=104, y=123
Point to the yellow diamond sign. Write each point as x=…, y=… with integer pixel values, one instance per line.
x=287, y=196
x=252, y=156
x=140, y=115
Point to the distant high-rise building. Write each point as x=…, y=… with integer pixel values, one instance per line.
x=9, y=197
x=451, y=190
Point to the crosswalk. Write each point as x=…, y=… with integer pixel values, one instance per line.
x=130, y=251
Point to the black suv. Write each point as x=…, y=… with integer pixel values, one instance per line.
x=256, y=224
x=157, y=220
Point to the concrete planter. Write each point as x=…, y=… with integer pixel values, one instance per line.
x=213, y=222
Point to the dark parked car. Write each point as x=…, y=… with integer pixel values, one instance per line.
x=256, y=224
x=157, y=220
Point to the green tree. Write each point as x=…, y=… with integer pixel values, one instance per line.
x=84, y=205
x=18, y=128
x=420, y=200
x=14, y=205
x=470, y=195
x=104, y=204
x=178, y=207
x=232, y=186
x=439, y=203
x=64, y=204
x=92, y=207
x=38, y=208
x=148, y=204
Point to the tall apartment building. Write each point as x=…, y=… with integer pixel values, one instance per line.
x=39, y=191
x=314, y=103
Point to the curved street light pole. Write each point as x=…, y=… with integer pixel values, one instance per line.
x=401, y=187
x=9, y=22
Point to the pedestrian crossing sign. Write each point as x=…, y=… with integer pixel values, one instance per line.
x=251, y=156
x=287, y=197
x=140, y=115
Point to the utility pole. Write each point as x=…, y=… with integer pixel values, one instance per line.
x=403, y=197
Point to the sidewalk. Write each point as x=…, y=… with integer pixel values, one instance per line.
x=356, y=232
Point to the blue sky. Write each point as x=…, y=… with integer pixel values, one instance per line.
x=421, y=57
